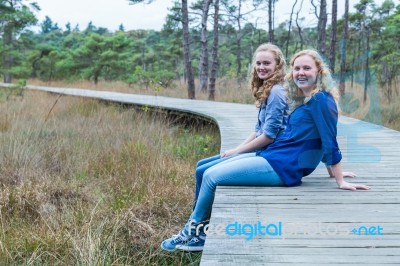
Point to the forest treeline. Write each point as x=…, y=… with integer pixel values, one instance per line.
x=207, y=40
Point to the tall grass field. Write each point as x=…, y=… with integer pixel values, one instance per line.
x=85, y=183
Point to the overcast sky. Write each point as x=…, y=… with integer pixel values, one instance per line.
x=105, y=13
x=111, y=13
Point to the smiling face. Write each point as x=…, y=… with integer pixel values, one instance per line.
x=265, y=64
x=305, y=73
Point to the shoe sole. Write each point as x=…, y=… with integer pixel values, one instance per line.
x=169, y=250
x=190, y=249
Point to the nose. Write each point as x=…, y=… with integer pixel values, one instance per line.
x=300, y=71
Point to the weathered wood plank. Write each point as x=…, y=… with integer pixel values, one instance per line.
x=327, y=259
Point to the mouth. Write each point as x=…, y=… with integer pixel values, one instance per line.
x=302, y=79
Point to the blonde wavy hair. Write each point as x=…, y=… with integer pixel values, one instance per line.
x=262, y=88
x=324, y=79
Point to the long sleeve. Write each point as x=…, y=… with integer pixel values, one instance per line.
x=326, y=117
x=276, y=112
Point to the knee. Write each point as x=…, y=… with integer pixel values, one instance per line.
x=208, y=178
x=199, y=174
x=199, y=163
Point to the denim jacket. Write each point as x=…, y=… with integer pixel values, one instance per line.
x=273, y=115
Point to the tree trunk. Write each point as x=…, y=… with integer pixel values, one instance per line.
x=332, y=52
x=366, y=77
x=52, y=71
x=386, y=81
x=214, y=64
x=290, y=27
x=356, y=54
x=8, y=58
x=186, y=50
x=322, y=28
x=35, y=66
x=299, y=28
x=270, y=22
x=353, y=62
x=239, y=45
x=203, y=64
x=142, y=58
x=343, y=45
x=273, y=19
x=238, y=54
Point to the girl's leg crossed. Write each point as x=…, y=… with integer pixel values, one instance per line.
x=247, y=171
x=207, y=163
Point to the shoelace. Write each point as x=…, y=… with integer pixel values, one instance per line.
x=177, y=238
x=193, y=240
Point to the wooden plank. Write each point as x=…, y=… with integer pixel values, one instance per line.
x=315, y=251
x=261, y=259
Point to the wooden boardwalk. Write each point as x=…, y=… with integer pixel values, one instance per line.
x=314, y=224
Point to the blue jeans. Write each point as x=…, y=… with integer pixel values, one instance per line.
x=206, y=163
x=242, y=170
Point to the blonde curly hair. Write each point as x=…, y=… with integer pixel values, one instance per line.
x=324, y=80
x=262, y=88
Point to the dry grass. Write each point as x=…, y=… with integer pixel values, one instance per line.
x=90, y=184
x=376, y=109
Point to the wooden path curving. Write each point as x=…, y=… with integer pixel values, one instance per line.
x=314, y=224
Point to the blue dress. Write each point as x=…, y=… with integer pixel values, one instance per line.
x=309, y=138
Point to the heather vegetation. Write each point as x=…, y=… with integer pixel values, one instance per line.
x=83, y=183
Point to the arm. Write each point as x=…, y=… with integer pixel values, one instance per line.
x=345, y=174
x=256, y=143
x=251, y=137
x=325, y=118
x=272, y=114
x=337, y=173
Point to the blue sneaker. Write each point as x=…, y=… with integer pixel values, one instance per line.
x=171, y=244
x=194, y=244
